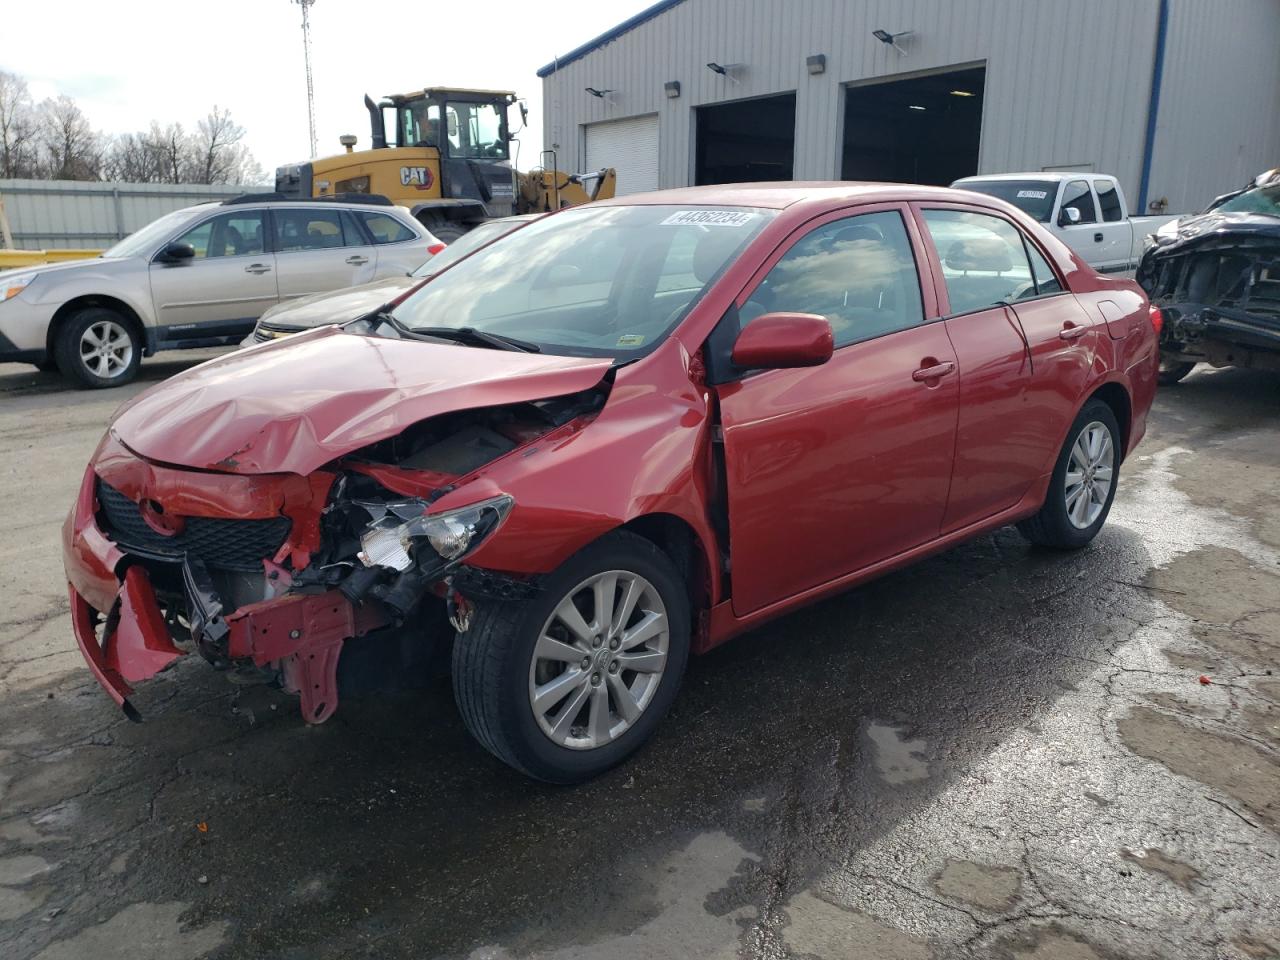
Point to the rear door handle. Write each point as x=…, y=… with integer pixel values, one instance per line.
x=934, y=371
x=357, y=261
x=257, y=268
x=1097, y=237
x=1072, y=332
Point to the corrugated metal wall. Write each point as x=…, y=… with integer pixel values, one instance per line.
x=1219, y=120
x=64, y=214
x=1068, y=81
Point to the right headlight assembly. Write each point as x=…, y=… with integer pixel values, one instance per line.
x=12, y=286
x=390, y=539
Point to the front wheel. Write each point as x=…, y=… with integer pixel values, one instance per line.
x=566, y=685
x=1083, y=483
x=98, y=348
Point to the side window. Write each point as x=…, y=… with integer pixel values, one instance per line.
x=1046, y=279
x=309, y=230
x=858, y=272
x=1108, y=199
x=386, y=229
x=237, y=234
x=984, y=261
x=1076, y=196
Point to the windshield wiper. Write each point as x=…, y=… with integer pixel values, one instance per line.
x=472, y=336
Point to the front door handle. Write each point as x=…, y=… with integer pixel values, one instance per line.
x=257, y=268
x=1072, y=331
x=357, y=261
x=1097, y=238
x=934, y=371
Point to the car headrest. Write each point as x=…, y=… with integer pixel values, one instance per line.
x=980, y=254
x=859, y=231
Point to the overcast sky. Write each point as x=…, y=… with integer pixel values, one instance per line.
x=128, y=62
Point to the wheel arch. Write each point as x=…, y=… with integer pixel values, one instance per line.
x=1116, y=396
x=69, y=309
x=677, y=538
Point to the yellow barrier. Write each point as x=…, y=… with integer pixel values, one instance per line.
x=11, y=259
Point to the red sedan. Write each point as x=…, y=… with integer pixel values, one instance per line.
x=618, y=436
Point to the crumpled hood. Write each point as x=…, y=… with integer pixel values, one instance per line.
x=337, y=307
x=1231, y=228
x=293, y=405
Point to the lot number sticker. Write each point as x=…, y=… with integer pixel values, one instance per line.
x=708, y=218
x=1033, y=194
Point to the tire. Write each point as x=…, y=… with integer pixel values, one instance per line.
x=446, y=231
x=496, y=673
x=121, y=349
x=1056, y=525
x=1171, y=371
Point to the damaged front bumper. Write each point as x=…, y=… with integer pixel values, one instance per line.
x=1218, y=286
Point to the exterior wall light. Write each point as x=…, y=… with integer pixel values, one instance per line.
x=672, y=87
x=816, y=64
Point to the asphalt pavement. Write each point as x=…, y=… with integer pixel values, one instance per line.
x=1001, y=752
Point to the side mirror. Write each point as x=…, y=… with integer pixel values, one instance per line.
x=778, y=341
x=176, y=252
x=1068, y=216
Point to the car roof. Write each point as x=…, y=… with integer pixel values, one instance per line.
x=1057, y=176
x=779, y=195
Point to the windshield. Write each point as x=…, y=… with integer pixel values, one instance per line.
x=591, y=281
x=470, y=241
x=475, y=130
x=1259, y=200
x=1032, y=197
x=140, y=242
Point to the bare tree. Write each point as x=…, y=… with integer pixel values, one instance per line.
x=18, y=144
x=72, y=151
x=219, y=151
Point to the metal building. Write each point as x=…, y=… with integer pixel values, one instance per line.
x=1180, y=99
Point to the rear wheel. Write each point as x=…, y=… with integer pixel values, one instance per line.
x=1171, y=371
x=1083, y=484
x=98, y=348
x=566, y=685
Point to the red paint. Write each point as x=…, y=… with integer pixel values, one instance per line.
x=140, y=646
x=892, y=449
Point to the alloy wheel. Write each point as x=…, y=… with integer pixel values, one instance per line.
x=106, y=349
x=1089, y=474
x=599, y=660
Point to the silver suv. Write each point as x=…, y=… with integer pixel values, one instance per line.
x=199, y=277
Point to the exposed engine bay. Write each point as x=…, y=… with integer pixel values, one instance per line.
x=1217, y=283
x=269, y=581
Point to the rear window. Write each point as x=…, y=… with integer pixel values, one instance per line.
x=1032, y=197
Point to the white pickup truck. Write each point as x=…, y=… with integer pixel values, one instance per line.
x=1087, y=210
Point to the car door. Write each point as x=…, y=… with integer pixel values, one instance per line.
x=1085, y=235
x=319, y=249
x=224, y=288
x=1116, y=246
x=831, y=469
x=1023, y=345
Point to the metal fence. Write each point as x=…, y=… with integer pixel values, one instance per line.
x=74, y=214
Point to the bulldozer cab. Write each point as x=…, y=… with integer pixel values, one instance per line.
x=461, y=124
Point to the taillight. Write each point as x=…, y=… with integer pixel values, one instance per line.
x=436, y=247
x=1157, y=318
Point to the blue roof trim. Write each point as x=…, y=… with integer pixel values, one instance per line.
x=577, y=53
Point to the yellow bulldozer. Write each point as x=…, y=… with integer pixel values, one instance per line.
x=445, y=153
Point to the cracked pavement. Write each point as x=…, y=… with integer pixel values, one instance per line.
x=1001, y=752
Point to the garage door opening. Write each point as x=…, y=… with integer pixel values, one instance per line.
x=921, y=129
x=746, y=141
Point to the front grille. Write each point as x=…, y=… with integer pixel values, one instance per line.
x=224, y=544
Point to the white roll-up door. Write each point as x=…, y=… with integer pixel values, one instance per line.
x=629, y=146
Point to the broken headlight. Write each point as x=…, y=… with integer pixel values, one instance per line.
x=389, y=539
